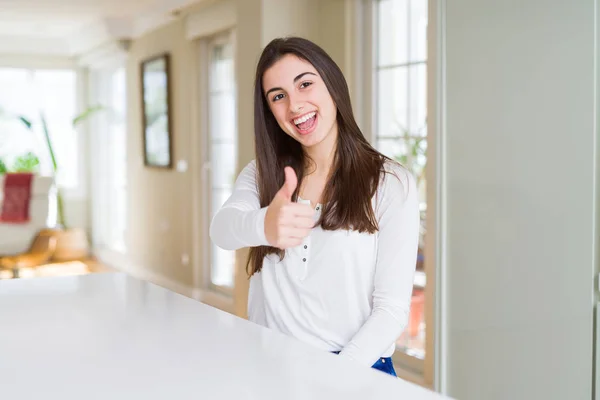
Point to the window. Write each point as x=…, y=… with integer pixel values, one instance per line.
x=117, y=160
x=222, y=145
x=400, y=121
x=27, y=92
x=109, y=169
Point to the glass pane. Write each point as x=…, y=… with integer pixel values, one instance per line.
x=223, y=148
x=222, y=261
x=393, y=148
x=223, y=115
x=223, y=164
x=121, y=216
x=412, y=340
x=16, y=95
x=118, y=128
x=118, y=96
x=56, y=91
x=392, y=32
x=118, y=147
x=222, y=73
x=57, y=101
x=219, y=197
x=392, y=107
x=417, y=99
x=222, y=270
x=27, y=92
x=110, y=214
x=418, y=30
x=411, y=152
x=16, y=140
x=118, y=220
x=402, y=124
x=17, y=99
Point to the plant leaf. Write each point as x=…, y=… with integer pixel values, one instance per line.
x=48, y=142
x=25, y=121
x=28, y=162
x=87, y=113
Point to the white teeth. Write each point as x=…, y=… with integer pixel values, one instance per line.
x=304, y=118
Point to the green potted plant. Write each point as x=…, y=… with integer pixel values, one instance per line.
x=415, y=158
x=27, y=162
x=3, y=168
x=72, y=242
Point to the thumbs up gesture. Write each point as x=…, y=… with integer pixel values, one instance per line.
x=288, y=223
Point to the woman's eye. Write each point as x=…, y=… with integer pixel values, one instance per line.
x=278, y=97
x=305, y=84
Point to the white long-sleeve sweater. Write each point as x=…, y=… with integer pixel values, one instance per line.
x=340, y=290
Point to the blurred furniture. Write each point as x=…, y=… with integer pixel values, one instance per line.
x=40, y=252
x=16, y=238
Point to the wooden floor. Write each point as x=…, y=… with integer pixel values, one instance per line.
x=95, y=266
x=78, y=267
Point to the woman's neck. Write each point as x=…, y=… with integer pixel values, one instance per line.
x=321, y=156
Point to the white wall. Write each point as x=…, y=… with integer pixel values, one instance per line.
x=519, y=164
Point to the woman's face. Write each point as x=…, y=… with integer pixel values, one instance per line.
x=300, y=101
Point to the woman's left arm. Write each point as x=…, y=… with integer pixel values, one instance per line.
x=398, y=239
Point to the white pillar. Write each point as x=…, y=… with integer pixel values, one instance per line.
x=519, y=162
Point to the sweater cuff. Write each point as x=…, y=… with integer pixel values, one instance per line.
x=259, y=218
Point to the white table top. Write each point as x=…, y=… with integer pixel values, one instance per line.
x=110, y=336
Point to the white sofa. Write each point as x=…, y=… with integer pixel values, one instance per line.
x=16, y=238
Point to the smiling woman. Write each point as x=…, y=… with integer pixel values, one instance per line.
x=295, y=103
x=333, y=224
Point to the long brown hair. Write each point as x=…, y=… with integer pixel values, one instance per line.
x=357, y=166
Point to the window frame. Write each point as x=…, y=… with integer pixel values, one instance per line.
x=220, y=294
x=99, y=82
x=419, y=371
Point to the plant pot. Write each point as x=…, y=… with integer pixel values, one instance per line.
x=71, y=244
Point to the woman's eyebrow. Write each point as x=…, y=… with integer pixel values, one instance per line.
x=296, y=79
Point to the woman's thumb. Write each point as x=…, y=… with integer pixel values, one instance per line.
x=290, y=184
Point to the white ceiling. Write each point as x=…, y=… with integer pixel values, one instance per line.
x=63, y=22
x=57, y=18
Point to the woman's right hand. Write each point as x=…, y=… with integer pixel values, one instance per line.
x=288, y=223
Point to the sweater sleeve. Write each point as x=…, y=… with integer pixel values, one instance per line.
x=398, y=237
x=240, y=222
